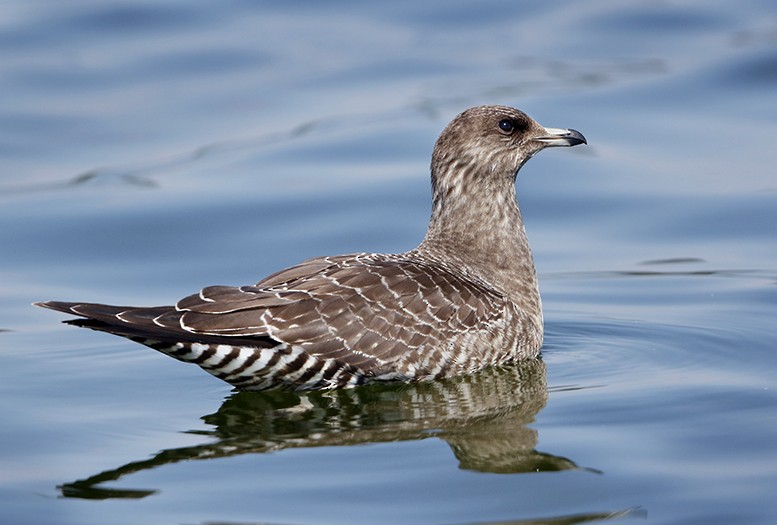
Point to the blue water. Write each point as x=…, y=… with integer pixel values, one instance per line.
x=151, y=148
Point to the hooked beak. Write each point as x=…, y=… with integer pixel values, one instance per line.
x=561, y=137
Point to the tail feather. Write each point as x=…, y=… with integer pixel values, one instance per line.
x=106, y=312
x=60, y=306
x=157, y=323
x=246, y=362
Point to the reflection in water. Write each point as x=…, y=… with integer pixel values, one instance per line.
x=483, y=418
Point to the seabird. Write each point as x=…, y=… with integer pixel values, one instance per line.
x=466, y=298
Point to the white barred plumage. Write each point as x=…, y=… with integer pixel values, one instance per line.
x=464, y=299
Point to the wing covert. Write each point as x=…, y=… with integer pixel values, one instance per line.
x=355, y=308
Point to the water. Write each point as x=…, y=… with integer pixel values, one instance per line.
x=149, y=149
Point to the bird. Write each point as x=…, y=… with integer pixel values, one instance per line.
x=466, y=298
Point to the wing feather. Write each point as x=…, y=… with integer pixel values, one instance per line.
x=364, y=310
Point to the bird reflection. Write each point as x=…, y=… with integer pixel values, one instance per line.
x=483, y=417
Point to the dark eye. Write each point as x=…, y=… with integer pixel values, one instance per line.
x=506, y=125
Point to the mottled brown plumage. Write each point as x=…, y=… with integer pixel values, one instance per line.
x=464, y=299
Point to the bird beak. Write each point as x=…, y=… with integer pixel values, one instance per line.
x=561, y=137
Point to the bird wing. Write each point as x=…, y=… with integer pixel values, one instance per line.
x=364, y=310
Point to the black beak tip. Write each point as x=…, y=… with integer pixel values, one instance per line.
x=575, y=138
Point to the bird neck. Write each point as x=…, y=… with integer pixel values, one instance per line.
x=481, y=231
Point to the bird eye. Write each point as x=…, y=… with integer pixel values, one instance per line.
x=506, y=125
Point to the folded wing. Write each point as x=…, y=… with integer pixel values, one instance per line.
x=365, y=310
